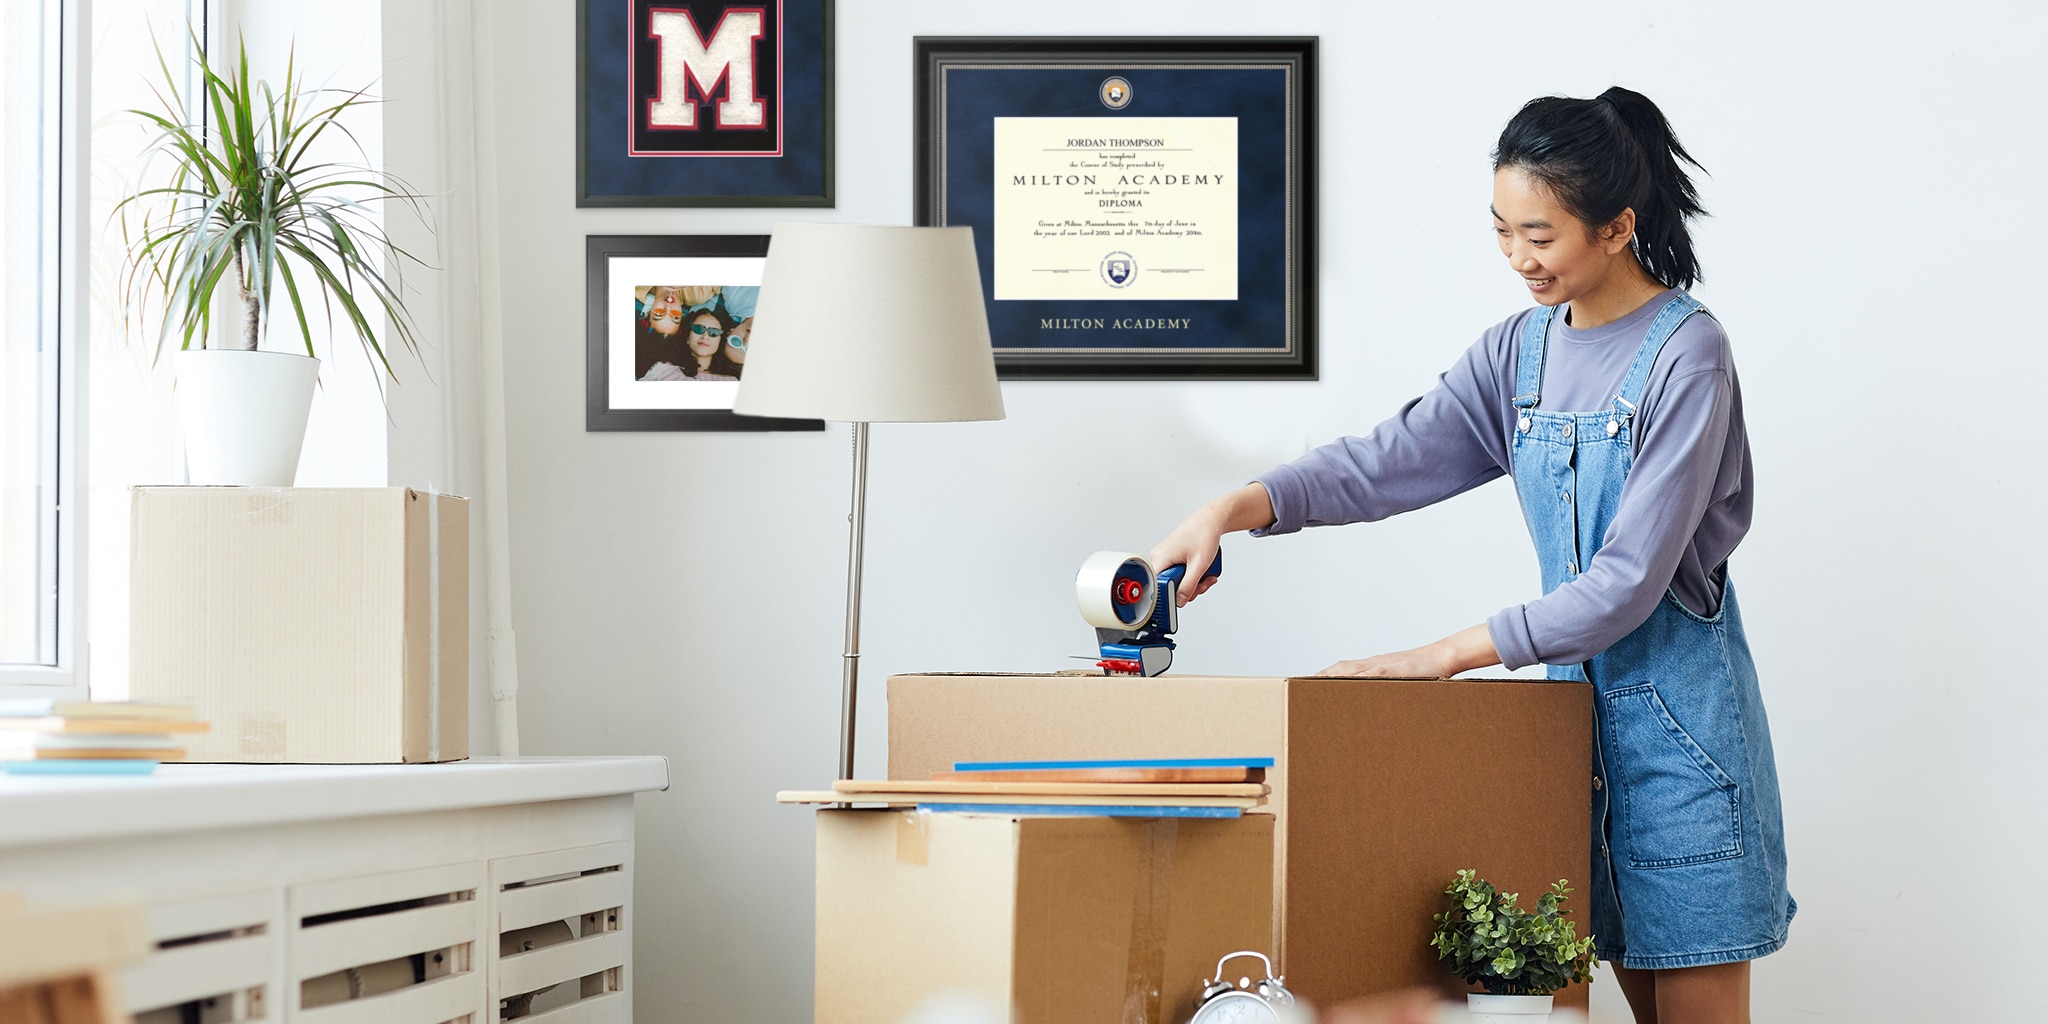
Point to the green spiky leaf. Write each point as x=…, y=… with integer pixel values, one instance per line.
x=244, y=203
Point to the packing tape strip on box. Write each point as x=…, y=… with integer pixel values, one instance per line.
x=1151, y=915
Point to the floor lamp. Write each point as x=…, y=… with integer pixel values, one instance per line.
x=816, y=354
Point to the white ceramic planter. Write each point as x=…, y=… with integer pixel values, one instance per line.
x=1487, y=1009
x=244, y=415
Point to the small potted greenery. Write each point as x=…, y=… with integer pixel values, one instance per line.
x=1518, y=956
x=253, y=200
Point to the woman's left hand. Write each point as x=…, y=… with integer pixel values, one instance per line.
x=1461, y=651
x=1420, y=663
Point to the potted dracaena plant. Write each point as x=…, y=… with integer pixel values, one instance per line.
x=252, y=202
x=1520, y=957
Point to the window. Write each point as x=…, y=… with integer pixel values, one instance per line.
x=41, y=545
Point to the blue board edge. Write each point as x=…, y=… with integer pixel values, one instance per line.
x=80, y=766
x=1166, y=762
x=1067, y=810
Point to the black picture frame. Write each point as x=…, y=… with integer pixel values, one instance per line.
x=613, y=398
x=1267, y=329
x=622, y=160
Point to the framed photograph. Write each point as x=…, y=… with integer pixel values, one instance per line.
x=669, y=317
x=704, y=102
x=1142, y=208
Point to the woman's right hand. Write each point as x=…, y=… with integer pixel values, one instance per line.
x=1195, y=541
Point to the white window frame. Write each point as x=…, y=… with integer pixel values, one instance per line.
x=67, y=679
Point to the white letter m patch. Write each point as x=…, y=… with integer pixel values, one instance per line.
x=688, y=59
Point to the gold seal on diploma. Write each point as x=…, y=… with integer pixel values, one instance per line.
x=1115, y=93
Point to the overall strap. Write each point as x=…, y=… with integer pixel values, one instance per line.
x=1529, y=368
x=1630, y=397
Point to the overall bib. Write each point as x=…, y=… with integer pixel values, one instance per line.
x=1688, y=840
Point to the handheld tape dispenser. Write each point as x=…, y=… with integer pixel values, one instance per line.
x=1134, y=612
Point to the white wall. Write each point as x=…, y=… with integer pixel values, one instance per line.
x=1870, y=254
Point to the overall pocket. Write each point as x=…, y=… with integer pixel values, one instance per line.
x=1677, y=806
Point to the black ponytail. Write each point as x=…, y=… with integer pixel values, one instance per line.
x=1608, y=154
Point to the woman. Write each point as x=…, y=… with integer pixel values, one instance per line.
x=704, y=357
x=1613, y=403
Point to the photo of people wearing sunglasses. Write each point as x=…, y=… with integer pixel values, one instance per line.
x=689, y=332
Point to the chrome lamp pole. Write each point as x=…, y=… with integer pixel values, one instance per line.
x=936, y=366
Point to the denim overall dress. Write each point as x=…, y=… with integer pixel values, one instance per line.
x=1688, y=840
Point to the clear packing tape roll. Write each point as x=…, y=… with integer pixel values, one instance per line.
x=1115, y=590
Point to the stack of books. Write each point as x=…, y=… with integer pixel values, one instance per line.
x=43, y=736
x=1222, y=787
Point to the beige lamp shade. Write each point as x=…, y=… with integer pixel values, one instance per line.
x=870, y=324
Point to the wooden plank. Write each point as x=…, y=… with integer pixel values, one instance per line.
x=367, y=940
x=977, y=787
x=561, y=901
x=99, y=725
x=509, y=870
x=97, y=753
x=1239, y=775
x=314, y=898
x=609, y=1008
x=184, y=973
x=526, y=972
x=799, y=796
x=431, y=1002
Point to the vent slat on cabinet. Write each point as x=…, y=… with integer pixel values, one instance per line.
x=610, y=1008
x=343, y=944
x=205, y=970
x=508, y=870
x=432, y=1002
x=562, y=900
x=569, y=961
x=310, y=899
x=207, y=915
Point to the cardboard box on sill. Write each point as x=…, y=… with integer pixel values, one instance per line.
x=310, y=625
x=1381, y=789
x=1042, y=920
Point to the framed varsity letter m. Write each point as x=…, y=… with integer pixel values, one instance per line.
x=704, y=103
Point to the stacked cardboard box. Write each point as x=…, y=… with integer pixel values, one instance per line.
x=1036, y=919
x=1381, y=789
x=308, y=624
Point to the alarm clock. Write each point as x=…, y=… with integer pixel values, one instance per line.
x=1246, y=1002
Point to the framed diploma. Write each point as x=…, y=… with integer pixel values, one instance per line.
x=704, y=102
x=1142, y=208
x=666, y=345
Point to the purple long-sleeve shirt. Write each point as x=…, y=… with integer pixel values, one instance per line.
x=1684, y=508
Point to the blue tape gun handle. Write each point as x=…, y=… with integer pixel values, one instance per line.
x=1173, y=573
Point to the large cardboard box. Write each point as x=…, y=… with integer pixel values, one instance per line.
x=306, y=624
x=1058, y=919
x=1382, y=789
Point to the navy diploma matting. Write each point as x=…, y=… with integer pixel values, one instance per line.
x=1267, y=331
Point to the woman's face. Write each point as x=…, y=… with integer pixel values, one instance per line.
x=665, y=313
x=736, y=341
x=1558, y=257
x=705, y=335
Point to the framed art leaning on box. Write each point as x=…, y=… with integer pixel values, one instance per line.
x=1142, y=208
